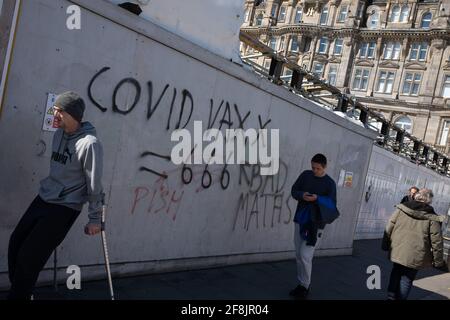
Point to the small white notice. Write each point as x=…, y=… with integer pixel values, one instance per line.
x=341, y=178
x=49, y=119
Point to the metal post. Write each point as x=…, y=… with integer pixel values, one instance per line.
x=363, y=116
x=425, y=154
x=276, y=67
x=297, y=79
x=399, y=140
x=416, y=148
x=385, y=132
x=445, y=164
x=343, y=103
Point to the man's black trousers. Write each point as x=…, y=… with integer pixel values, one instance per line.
x=41, y=229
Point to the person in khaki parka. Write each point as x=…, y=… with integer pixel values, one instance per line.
x=414, y=240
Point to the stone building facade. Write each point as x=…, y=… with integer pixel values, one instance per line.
x=392, y=56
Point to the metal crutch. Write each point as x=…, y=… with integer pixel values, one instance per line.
x=105, y=252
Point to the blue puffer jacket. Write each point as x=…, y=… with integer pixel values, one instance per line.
x=315, y=216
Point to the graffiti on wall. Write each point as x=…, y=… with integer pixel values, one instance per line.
x=267, y=202
x=264, y=201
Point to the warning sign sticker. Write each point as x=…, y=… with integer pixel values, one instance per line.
x=49, y=119
x=348, y=181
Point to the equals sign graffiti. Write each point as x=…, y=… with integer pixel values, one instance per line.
x=154, y=154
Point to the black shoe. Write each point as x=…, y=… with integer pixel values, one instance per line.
x=299, y=292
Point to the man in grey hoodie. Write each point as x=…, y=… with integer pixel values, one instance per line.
x=75, y=178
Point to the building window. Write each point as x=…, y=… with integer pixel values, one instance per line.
x=361, y=79
x=367, y=49
x=446, y=88
x=318, y=69
x=399, y=14
x=273, y=12
x=243, y=48
x=360, y=10
x=294, y=44
x=282, y=15
x=287, y=72
x=287, y=75
x=306, y=44
x=404, y=13
x=392, y=50
x=395, y=14
x=338, y=47
x=259, y=19
x=298, y=15
x=323, y=45
x=426, y=20
x=260, y=3
x=404, y=123
x=342, y=13
x=418, y=51
x=444, y=134
x=267, y=63
x=324, y=16
x=273, y=43
x=411, y=83
x=385, y=81
x=247, y=15
x=373, y=20
x=281, y=47
x=332, y=75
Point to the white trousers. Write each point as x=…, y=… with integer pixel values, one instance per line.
x=304, y=256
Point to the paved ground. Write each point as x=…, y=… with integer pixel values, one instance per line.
x=342, y=277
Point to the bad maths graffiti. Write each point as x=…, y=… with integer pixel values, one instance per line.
x=265, y=203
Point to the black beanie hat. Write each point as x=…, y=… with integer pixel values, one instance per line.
x=71, y=103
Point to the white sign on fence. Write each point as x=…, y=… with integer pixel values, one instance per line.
x=49, y=123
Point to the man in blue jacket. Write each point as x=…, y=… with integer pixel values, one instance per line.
x=75, y=176
x=311, y=189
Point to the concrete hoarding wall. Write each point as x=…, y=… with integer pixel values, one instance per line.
x=388, y=180
x=157, y=224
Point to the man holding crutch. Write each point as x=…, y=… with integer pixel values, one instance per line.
x=76, y=166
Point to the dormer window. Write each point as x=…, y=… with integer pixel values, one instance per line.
x=282, y=15
x=343, y=12
x=298, y=15
x=404, y=13
x=324, y=16
x=426, y=20
x=372, y=22
x=259, y=19
x=395, y=14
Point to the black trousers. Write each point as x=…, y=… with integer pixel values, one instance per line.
x=41, y=229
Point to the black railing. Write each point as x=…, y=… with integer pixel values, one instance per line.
x=308, y=85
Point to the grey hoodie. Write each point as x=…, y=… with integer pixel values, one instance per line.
x=76, y=168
